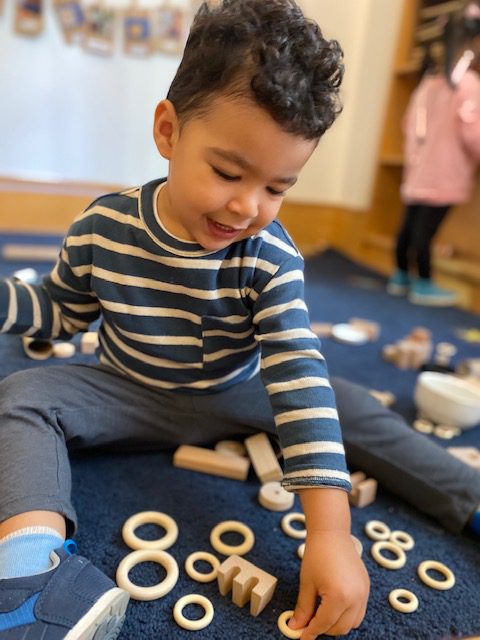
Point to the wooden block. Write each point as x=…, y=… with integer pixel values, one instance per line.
x=363, y=493
x=357, y=477
x=89, y=342
x=30, y=252
x=263, y=458
x=468, y=455
x=213, y=462
x=386, y=398
x=321, y=329
x=247, y=582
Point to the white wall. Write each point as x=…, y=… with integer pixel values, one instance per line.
x=65, y=113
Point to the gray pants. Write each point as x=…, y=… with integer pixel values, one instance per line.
x=47, y=412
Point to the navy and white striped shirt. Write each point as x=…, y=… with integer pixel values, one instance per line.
x=176, y=316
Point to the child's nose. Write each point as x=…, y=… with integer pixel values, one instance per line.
x=244, y=205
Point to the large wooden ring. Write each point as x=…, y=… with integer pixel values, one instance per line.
x=289, y=530
x=227, y=549
x=283, y=618
x=377, y=530
x=193, y=625
x=150, y=517
x=442, y=585
x=405, y=607
x=377, y=548
x=147, y=555
x=197, y=575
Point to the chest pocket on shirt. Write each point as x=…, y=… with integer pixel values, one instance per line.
x=226, y=344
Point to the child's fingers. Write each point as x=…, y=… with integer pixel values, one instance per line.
x=326, y=617
x=304, y=609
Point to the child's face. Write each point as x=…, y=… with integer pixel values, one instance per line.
x=229, y=170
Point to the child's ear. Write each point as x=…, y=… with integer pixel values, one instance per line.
x=165, y=128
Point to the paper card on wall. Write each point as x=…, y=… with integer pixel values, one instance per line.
x=137, y=32
x=171, y=24
x=28, y=17
x=2, y=6
x=72, y=19
x=99, y=29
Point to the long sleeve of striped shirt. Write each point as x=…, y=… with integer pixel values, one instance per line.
x=176, y=316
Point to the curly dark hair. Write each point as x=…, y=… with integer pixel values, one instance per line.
x=268, y=52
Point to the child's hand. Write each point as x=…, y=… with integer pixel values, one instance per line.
x=333, y=571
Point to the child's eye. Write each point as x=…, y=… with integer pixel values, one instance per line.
x=274, y=192
x=225, y=176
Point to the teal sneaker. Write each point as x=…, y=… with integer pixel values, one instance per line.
x=399, y=284
x=424, y=292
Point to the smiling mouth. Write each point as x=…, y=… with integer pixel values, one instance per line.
x=224, y=229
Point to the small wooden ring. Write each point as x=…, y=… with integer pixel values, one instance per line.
x=404, y=607
x=147, y=555
x=377, y=530
x=442, y=585
x=193, y=625
x=283, y=618
x=227, y=549
x=289, y=530
x=150, y=517
x=402, y=539
x=274, y=497
x=301, y=551
x=386, y=562
x=197, y=575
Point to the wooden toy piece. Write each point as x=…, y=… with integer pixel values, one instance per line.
x=213, y=462
x=89, y=342
x=386, y=398
x=446, y=431
x=410, y=352
x=469, y=367
x=231, y=448
x=444, y=352
x=37, y=349
x=364, y=490
x=469, y=455
x=30, y=252
x=372, y=329
x=263, y=458
x=63, y=350
x=273, y=497
x=247, y=582
x=322, y=329
x=423, y=425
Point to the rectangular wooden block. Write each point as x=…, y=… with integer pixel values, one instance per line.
x=213, y=462
x=263, y=458
x=363, y=493
x=247, y=582
x=468, y=455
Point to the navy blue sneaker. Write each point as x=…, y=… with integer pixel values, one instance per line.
x=71, y=601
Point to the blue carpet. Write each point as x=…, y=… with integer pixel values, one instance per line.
x=108, y=488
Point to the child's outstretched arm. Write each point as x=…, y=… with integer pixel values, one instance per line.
x=331, y=568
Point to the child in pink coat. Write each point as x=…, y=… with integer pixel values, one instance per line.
x=442, y=150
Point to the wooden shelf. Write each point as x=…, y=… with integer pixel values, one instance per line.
x=392, y=159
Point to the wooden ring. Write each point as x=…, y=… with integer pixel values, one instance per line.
x=405, y=607
x=377, y=530
x=147, y=555
x=150, y=517
x=274, y=497
x=197, y=575
x=301, y=551
x=227, y=549
x=193, y=625
x=386, y=562
x=402, y=539
x=283, y=618
x=289, y=530
x=442, y=585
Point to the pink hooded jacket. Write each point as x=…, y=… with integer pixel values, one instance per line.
x=442, y=141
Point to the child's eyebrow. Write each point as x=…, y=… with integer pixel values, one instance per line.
x=233, y=156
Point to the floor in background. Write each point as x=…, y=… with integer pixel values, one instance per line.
x=108, y=488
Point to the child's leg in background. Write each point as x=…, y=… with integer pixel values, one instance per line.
x=425, y=225
x=405, y=238
x=407, y=463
